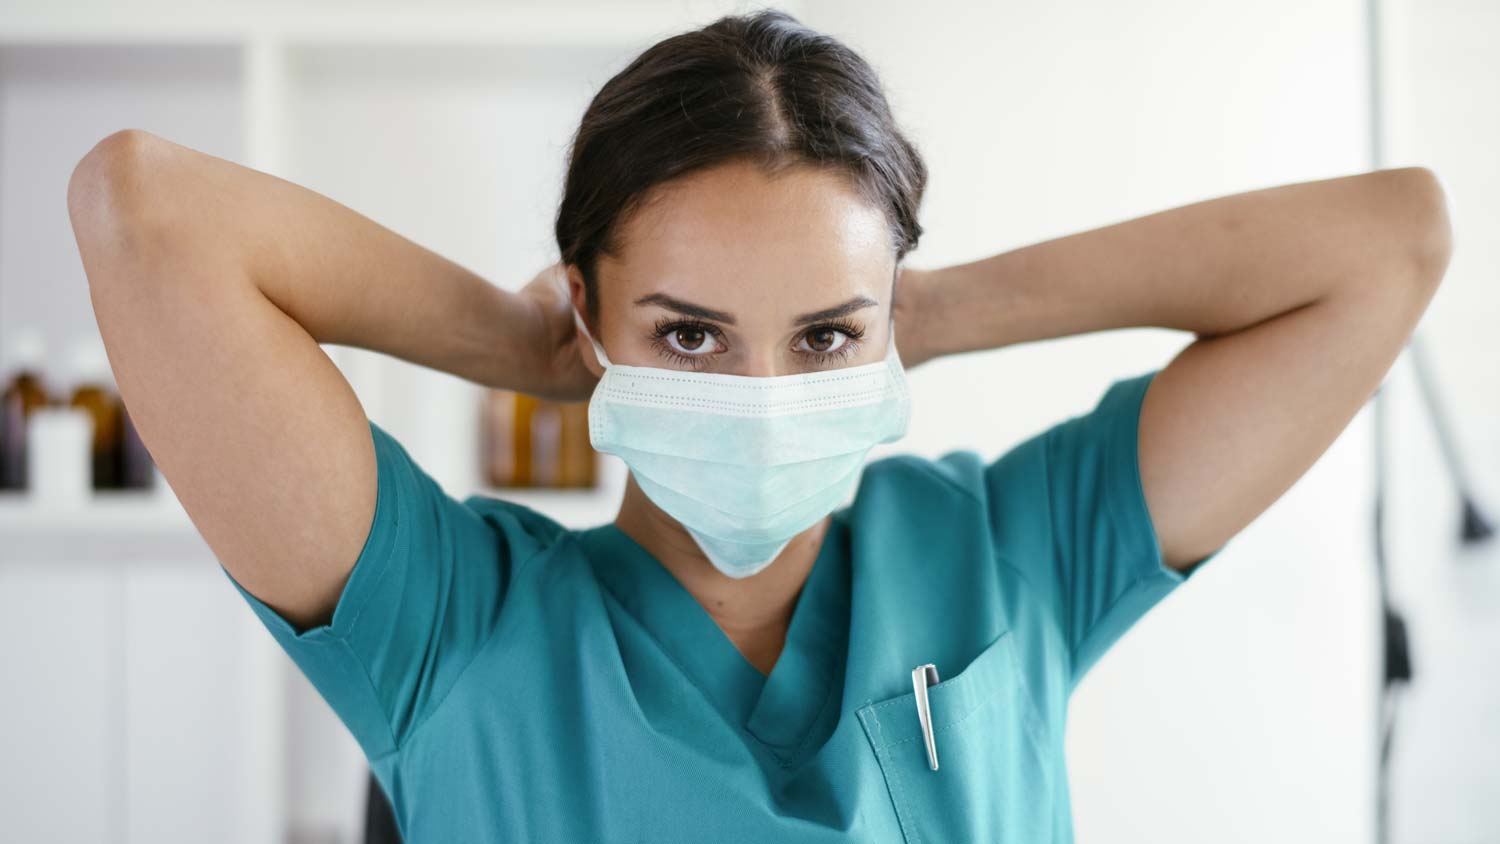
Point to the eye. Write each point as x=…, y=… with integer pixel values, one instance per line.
x=830, y=341
x=690, y=340
x=687, y=342
x=824, y=339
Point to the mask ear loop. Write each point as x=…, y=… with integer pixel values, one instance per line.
x=598, y=349
x=583, y=329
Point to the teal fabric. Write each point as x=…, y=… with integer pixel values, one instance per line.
x=514, y=680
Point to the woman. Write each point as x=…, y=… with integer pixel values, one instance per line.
x=743, y=653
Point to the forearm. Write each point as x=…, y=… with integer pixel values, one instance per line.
x=1211, y=267
x=343, y=277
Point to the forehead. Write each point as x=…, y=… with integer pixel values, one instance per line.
x=733, y=235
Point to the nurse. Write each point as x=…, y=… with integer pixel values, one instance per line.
x=773, y=640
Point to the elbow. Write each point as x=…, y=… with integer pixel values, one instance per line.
x=109, y=202
x=1425, y=223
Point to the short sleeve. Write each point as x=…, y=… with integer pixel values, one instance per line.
x=420, y=602
x=1101, y=565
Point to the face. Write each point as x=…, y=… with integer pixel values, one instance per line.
x=733, y=272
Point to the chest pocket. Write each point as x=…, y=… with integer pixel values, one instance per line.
x=994, y=777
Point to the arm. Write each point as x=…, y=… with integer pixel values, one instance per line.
x=213, y=285
x=1301, y=297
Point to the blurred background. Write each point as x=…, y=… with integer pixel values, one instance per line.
x=140, y=699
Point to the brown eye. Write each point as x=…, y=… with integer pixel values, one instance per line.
x=822, y=340
x=689, y=339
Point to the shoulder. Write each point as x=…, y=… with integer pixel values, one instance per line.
x=524, y=531
x=1101, y=439
x=959, y=503
x=955, y=474
x=956, y=478
x=414, y=509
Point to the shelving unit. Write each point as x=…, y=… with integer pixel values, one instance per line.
x=122, y=512
x=168, y=714
x=464, y=115
x=157, y=512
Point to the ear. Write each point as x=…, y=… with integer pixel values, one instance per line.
x=578, y=294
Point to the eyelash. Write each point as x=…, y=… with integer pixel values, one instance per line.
x=666, y=325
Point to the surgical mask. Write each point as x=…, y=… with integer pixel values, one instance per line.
x=745, y=463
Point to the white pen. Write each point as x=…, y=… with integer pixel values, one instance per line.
x=921, y=677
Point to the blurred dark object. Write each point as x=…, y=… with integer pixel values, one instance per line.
x=22, y=394
x=380, y=820
x=1474, y=528
x=105, y=409
x=137, y=469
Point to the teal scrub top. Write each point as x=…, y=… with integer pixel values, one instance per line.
x=511, y=679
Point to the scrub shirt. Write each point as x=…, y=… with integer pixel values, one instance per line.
x=511, y=679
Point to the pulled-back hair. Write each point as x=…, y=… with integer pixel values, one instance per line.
x=759, y=87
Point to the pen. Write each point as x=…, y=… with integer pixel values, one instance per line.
x=921, y=677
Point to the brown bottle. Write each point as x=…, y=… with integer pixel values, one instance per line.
x=546, y=445
x=507, y=447
x=578, y=457
x=497, y=414
x=531, y=442
x=94, y=391
x=137, y=468
x=24, y=393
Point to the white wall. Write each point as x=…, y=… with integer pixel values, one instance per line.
x=1443, y=87
x=1243, y=708
x=81, y=95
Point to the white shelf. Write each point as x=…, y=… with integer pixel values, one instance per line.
x=158, y=514
x=122, y=511
x=114, y=528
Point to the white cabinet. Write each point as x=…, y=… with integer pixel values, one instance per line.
x=61, y=719
x=141, y=699
x=195, y=733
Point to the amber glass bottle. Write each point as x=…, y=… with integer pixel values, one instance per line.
x=94, y=391
x=23, y=393
x=531, y=442
x=137, y=468
x=578, y=458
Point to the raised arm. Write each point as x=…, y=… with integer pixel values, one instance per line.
x=1301, y=297
x=213, y=285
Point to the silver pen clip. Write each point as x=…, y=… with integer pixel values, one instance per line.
x=921, y=677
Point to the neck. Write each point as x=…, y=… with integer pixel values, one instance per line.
x=755, y=611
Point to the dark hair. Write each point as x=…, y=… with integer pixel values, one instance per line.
x=760, y=87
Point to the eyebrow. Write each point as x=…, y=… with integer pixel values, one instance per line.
x=690, y=309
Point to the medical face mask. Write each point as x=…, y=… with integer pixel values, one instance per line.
x=745, y=463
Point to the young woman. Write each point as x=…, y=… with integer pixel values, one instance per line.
x=741, y=655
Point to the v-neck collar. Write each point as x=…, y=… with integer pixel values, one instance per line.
x=780, y=710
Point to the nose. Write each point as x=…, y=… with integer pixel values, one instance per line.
x=760, y=363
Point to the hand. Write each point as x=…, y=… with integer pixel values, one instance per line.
x=561, y=374
x=912, y=341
